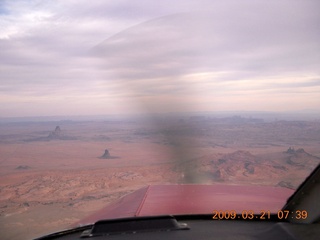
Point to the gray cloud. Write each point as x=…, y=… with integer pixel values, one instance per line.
x=165, y=49
x=196, y=42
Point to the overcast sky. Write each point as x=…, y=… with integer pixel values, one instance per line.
x=79, y=57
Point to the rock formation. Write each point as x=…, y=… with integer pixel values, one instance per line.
x=56, y=133
x=23, y=167
x=291, y=150
x=106, y=154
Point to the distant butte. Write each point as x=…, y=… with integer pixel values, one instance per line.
x=107, y=155
x=56, y=133
x=291, y=150
x=23, y=167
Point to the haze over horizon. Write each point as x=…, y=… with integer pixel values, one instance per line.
x=71, y=58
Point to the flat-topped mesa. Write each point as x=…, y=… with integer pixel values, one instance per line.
x=106, y=154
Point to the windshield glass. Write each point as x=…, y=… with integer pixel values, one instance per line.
x=99, y=99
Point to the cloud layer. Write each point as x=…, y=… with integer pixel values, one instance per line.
x=76, y=58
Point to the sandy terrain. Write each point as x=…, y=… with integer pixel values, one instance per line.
x=50, y=179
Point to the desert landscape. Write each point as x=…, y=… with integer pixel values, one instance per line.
x=54, y=173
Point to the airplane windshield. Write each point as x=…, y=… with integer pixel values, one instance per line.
x=104, y=98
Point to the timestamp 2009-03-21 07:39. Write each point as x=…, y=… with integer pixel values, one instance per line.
x=261, y=215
